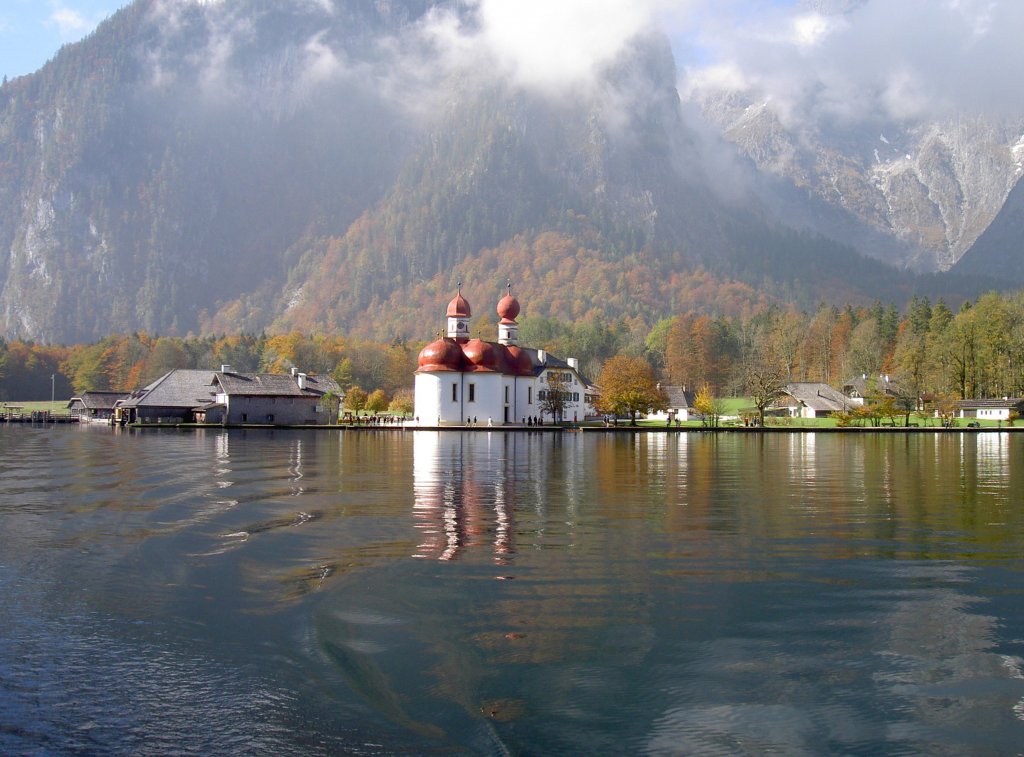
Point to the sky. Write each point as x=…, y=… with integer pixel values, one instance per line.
x=31, y=31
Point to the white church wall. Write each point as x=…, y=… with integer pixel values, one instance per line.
x=484, y=398
x=427, y=405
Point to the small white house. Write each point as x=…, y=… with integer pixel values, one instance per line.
x=870, y=389
x=992, y=410
x=811, y=400
x=680, y=405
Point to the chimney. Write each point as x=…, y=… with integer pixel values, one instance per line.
x=542, y=357
x=226, y=369
x=574, y=363
x=301, y=378
x=295, y=371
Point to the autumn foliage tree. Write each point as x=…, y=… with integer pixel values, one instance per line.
x=628, y=386
x=355, y=399
x=708, y=405
x=402, y=403
x=377, y=401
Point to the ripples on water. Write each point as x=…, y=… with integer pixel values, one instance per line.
x=376, y=593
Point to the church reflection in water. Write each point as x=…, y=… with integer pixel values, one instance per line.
x=462, y=493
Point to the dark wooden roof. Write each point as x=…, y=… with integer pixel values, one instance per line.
x=679, y=398
x=1011, y=403
x=98, y=400
x=819, y=397
x=182, y=387
x=273, y=385
x=552, y=362
x=872, y=386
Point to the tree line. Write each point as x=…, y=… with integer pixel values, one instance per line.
x=977, y=351
x=126, y=362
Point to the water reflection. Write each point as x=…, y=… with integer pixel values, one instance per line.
x=467, y=488
x=512, y=593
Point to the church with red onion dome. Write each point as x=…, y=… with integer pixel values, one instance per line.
x=461, y=381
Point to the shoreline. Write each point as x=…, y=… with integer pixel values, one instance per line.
x=599, y=429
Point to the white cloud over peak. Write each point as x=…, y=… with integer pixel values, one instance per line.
x=70, y=23
x=812, y=28
x=547, y=43
x=851, y=60
x=893, y=59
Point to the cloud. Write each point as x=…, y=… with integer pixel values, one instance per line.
x=546, y=45
x=550, y=44
x=852, y=60
x=70, y=23
x=906, y=60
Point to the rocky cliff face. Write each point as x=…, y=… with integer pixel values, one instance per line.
x=935, y=187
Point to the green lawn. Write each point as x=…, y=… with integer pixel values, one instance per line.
x=58, y=406
x=733, y=405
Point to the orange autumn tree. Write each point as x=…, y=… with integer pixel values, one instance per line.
x=628, y=386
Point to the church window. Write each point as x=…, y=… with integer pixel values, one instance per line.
x=455, y=392
x=472, y=393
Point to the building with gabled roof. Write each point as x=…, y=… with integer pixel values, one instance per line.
x=866, y=389
x=172, y=398
x=680, y=404
x=95, y=406
x=990, y=409
x=224, y=396
x=807, y=399
x=272, y=398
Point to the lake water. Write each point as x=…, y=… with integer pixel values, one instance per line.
x=293, y=593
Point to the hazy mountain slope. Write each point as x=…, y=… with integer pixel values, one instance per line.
x=999, y=252
x=618, y=171
x=933, y=187
x=254, y=164
x=154, y=180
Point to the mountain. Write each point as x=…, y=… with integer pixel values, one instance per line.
x=171, y=159
x=252, y=164
x=929, y=189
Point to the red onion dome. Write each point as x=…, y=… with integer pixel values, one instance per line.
x=484, y=356
x=458, y=307
x=442, y=355
x=518, y=361
x=508, y=309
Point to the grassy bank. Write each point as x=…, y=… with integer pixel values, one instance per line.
x=57, y=407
